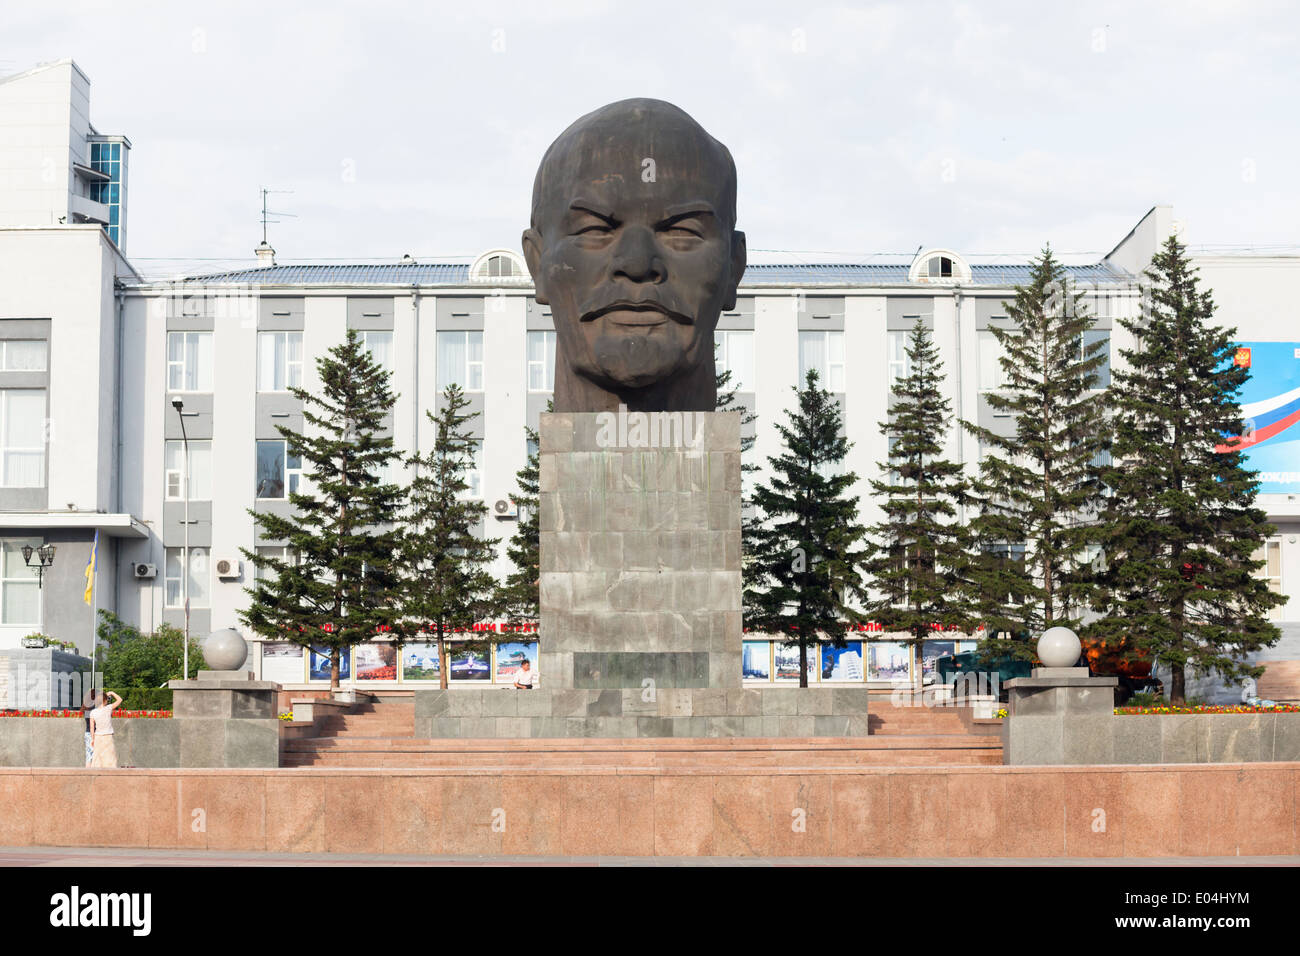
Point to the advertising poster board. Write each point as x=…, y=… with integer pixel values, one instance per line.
x=512, y=654
x=470, y=661
x=282, y=662
x=320, y=664
x=376, y=661
x=1270, y=409
x=756, y=660
x=420, y=662
x=842, y=663
x=887, y=661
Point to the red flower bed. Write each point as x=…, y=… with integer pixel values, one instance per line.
x=1210, y=709
x=77, y=713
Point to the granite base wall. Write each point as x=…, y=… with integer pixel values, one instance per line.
x=1075, y=738
x=153, y=742
x=624, y=712
x=1230, y=810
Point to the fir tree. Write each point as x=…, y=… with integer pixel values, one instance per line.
x=1038, y=489
x=446, y=585
x=1181, y=528
x=729, y=401
x=806, y=554
x=920, y=547
x=337, y=587
x=520, y=593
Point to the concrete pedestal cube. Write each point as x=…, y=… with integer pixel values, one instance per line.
x=226, y=719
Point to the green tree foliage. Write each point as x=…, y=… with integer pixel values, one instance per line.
x=128, y=658
x=338, y=587
x=806, y=547
x=920, y=548
x=446, y=585
x=520, y=593
x=1181, y=528
x=1038, y=488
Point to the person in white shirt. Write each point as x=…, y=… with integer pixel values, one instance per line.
x=526, y=679
x=101, y=723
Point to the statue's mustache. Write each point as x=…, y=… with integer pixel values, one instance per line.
x=591, y=311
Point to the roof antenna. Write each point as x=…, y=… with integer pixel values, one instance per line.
x=265, y=254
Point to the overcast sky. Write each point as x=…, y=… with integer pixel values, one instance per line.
x=988, y=128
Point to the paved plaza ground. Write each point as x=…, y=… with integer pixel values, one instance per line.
x=99, y=856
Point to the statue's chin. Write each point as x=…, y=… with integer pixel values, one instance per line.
x=637, y=363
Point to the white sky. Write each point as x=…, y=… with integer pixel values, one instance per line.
x=988, y=128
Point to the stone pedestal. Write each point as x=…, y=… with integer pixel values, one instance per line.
x=226, y=719
x=640, y=632
x=1059, y=715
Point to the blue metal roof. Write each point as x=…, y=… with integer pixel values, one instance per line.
x=756, y=275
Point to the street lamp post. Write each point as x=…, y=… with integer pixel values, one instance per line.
x=44, y=559
x=185, y=558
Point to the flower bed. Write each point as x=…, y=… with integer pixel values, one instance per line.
x=77, y=713
x=1209, y=709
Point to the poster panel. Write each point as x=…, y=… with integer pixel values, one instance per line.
x=842, y=663
x=320, y=663
x=1270, y=411
x=376, y=661
x=510, y=658
x=420, y=662
x=756, y=660
x=282, y=662
x=887, y=661
x=470, y=661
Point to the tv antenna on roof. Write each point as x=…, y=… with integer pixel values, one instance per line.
x=267, y=212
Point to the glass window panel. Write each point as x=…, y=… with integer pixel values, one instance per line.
x=266, y=355
x=1099, y=335
x=452, y=355
x=270, y=469
x=25, y=355
x=812, y=354
x=200, y=577
x=24, y=426
x=992, y=375
x=380, y=345
x=22, y=602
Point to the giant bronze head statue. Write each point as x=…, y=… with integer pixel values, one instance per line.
x=633, y=245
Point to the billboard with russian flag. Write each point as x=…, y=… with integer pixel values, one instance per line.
x=1270, y=408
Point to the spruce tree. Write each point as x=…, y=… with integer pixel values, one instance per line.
x=920, y=547
x=520, y=592
x=1181, y=527
x=729, y=401
x=807, y=547
x=1039, y=488
x=337, y=587
x=446, y=585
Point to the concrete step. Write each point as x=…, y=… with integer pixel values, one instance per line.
x=696, y=754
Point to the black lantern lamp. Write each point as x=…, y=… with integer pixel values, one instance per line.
x=45, y=558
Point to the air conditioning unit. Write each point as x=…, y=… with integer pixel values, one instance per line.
x=228, y=567
x=505, y=508
x=145, y=571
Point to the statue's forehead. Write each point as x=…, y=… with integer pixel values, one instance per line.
x=620, y=176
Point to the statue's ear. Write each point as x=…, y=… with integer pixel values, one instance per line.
x=532, y=242
x=739, y=259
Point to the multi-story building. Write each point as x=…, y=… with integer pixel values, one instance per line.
x=55, y=167
x=94, y=361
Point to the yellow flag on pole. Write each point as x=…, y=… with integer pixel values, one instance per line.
x=90, y=570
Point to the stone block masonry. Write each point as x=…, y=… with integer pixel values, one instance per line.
x=640, y=632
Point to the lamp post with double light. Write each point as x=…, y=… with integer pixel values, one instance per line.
x=185, y=556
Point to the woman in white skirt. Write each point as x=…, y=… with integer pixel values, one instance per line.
x=101, y=725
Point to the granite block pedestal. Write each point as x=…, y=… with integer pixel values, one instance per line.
x=640, y=632
x=226, y=719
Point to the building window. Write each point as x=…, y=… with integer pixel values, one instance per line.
x=900, y=367
x=824, y=352
x=20, y=595
x=200, y=470
x=279, y=474
x=460, y=360
x=279, y=361
x=23, y=355
x=736, y=355
x=380, y=346
x=22, y=437
x=261, y=571
x=993, y=377
x=498, y=267
x=200, y=578
x=107, y=158
x=1088, y=339
x=474, y=472
x=1270, y=552
x=541, y=361
x=189, y=361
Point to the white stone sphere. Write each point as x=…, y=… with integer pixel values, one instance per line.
x=225, y=650
x=1059, y=647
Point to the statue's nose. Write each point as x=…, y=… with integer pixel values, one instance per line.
x=636, y=256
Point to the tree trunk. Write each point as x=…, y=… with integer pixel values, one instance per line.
x=443, y=664
x=1177, y=683
x=334, y=671
x=803, y=662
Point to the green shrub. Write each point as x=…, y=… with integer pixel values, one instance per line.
x=143, y=698
x=1144, y=698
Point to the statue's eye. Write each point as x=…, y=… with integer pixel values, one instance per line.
x=685, y=228
x=592, y=227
